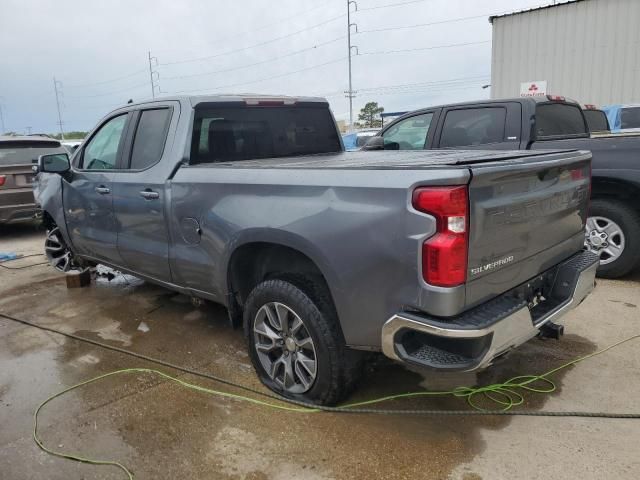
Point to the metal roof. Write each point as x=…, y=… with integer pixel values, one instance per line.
x=568, y=2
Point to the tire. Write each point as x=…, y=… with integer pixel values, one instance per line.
x=619, y=226
x=334, y=373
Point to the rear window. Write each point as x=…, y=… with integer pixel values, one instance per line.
x=630, y=117
x=596, y=120
x=243, y=133
x=474, y=126
x=23, y=153
x=559, y=120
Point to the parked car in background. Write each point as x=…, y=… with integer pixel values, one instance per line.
x=535, y=123
x=596, y=119
x=356, y=140
x=71, y=145
x=623, y=118
x=17, y=156
x=251, y=202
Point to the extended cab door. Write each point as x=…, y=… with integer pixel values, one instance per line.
x=140, y=202
x=88, y=192
x=486, y=126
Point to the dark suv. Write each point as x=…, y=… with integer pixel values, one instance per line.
x=16, y=158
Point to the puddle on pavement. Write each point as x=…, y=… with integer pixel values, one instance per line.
x=158, y=423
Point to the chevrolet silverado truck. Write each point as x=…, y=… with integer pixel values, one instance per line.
x=444, y=259
x=534, y=123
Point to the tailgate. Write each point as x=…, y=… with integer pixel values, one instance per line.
x=526, y=215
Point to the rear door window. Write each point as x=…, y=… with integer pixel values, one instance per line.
x=408, y=134
x=150, y=137
x=559, y=120
x=473, y=126
x=244, y=133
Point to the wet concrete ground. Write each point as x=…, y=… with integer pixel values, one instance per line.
x=160, y=430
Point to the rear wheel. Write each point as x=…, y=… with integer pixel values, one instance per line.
x=295, y=344
x=613, y=233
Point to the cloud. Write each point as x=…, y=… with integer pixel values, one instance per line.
x=99, y=51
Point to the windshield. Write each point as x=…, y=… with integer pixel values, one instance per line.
x=243, y=133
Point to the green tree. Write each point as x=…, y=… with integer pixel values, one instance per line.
x=370, y=115
x=75, y=135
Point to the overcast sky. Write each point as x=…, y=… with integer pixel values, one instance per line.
x=99, y=53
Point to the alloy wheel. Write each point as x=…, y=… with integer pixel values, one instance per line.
x=285, y=348
x=605, y=238
x=58, y=253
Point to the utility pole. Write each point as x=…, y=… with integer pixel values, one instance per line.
x=350, y=94
x=152, y=72
x=58, y=85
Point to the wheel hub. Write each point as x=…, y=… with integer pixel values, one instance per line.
x=290, y=343
x=284, y=347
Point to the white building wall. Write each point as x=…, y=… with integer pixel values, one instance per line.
x=588, y=51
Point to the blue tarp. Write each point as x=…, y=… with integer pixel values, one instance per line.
x=350, y=141
x=613, y=115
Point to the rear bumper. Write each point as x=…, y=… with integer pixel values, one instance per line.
x=18, y=213
x=472, y=340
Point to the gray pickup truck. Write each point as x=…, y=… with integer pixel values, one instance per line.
x=444, y=260
x=535, y=123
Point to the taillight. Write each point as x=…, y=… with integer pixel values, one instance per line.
x=444, y=255
x=3, y=178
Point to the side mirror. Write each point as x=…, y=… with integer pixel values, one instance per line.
x=374, y=143
x=54, y=163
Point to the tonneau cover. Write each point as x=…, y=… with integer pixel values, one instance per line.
x=390, y=160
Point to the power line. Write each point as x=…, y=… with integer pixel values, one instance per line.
x=266, y=42
x=457, y=80
x=263, y=79
x=432, y=82
x=290, y=54
x=145, y=84
x=451, y=20
x=377, y=7
x=426, y=48
x=137, y=72
x=264, y=27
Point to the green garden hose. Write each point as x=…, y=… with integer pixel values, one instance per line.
x=504, y=396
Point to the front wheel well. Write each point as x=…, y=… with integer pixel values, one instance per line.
x=47, y=221
x=253, y=263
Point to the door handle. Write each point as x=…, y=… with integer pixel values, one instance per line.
x=102, y=190
x=149, y=194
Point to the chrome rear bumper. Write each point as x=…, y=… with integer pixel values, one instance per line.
x=475, y=338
